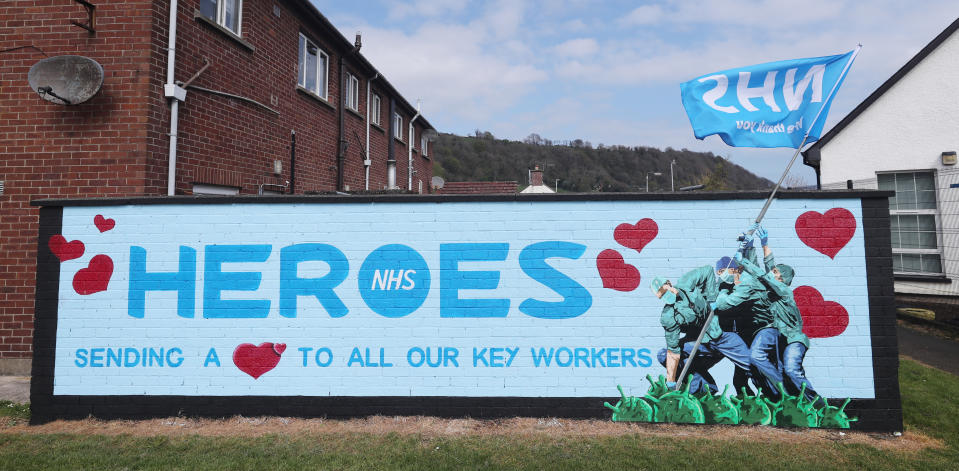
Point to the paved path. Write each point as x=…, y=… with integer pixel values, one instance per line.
x=926, y=348
x=15, y=388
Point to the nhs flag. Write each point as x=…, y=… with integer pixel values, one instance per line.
x=767, y=105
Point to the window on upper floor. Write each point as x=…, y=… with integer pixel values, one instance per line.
x=313, y=68
x=225, y=13
x=424, y=143
x=375, y=110
x=397, y=126
x=914, y=222
x=352, y=92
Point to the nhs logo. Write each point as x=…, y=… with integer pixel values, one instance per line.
x=767, y=105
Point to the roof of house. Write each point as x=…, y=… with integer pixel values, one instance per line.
x=347, y=45
x=905, y=69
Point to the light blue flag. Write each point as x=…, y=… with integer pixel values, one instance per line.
x=766, y=105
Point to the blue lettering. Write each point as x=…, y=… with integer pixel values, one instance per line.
x=409, y=357
x=81, y=360
x=628, y=356
x=216, y=281
x=306, y=351
x=292, y=286
x=479, y=356
x=113, y=356
x=643, y=357
x=542, y=356
x=449, y=355
x=597, y=356
x=582, y=355
x=576, y=298
x=182, y=281
x=171, y=362
x=211, y=357
x=355, y=357
x=569, y=357
x=452, y=280
x=96, y=357
x=612, y=357
x=329, y=357
x=127, y=362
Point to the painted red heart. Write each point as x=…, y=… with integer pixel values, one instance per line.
x=103, y=224
x=636, y=236
x=615, y=272
x=256, y=360
x=95, y=277
x=820, y=318
x=826, y=233
x=65, y=250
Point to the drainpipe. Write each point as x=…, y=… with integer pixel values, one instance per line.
x=391, y=154
x=176, y=94
x=368, y=161
x=292, y=161
x=341, y=137
x=409, y=147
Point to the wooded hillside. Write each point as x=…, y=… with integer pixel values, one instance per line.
x=582, y=168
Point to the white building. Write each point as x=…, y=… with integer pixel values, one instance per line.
x=904, y=137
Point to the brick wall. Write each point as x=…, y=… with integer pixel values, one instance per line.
x=51, y=151
x=478, y=188
x=116, y=144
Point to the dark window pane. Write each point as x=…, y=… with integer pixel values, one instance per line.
x=208, y=9
x=887, y=181
x=911, y=262
x=931, y=264
x=927, y=240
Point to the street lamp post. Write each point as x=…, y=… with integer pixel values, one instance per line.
x=658, y=174
x=672, y=186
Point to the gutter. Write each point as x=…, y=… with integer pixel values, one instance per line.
x=409, y=148
x=341, y=131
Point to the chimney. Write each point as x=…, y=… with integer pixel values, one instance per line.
x=536, y=177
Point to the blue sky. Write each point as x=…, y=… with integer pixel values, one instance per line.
x=609, y=71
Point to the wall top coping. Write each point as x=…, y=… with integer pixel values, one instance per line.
x=411, y=198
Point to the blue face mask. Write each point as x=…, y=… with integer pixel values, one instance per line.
x=669, y=297
x=726, y=277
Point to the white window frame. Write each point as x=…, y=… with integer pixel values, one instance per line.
x=322, y=67
x=352, y=95
x=375, y=111
x=934, y=212
x=424, y=143
x=398, y=126
x=217, y=190
x=221, y=15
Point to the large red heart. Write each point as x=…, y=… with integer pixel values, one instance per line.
x=636, y=236
x=103, y=224
x=615, y=272
x=820, y=318
x=95, y=277
x=257, y=360
x=65, y=250
x=826, y=233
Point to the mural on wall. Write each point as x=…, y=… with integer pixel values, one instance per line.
x=472, y=299
x=742, y=310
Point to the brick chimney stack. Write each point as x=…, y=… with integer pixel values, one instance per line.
x=536, y=177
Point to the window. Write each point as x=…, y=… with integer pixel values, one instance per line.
x=912, y=217
x=375, y=111
x=424, y=142
x=225, y=13
x=352, y=92
x=313, y=68
x=204, y=189
x=397, y=126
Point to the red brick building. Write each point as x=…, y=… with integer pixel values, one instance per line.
x=279, y=104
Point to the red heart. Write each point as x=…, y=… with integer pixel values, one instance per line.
x=616, y=273
x=820, y=318
x=65, y=250
x=256, y=360
x=826, y=233
x=95, y=277
x=103, y=224
x=636, y=236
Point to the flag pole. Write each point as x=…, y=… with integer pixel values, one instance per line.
x=762, y=213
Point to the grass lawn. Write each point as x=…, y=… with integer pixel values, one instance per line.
x=929, y=405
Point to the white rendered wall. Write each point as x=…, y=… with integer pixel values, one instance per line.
x=908, y=128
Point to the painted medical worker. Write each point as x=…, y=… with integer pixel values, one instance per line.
x=777, y=278
x=682, y=318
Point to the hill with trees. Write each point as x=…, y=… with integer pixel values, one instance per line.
x=580, y=167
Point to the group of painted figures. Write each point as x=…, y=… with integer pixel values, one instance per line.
x=756, y=325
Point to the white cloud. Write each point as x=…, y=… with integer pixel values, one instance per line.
x=424, y=8
x=643, y=15
x=577, y=47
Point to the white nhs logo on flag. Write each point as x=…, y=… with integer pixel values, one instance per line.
x=768, y=105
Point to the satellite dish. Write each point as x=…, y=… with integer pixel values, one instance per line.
x=66, y=80
x=438, y=182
